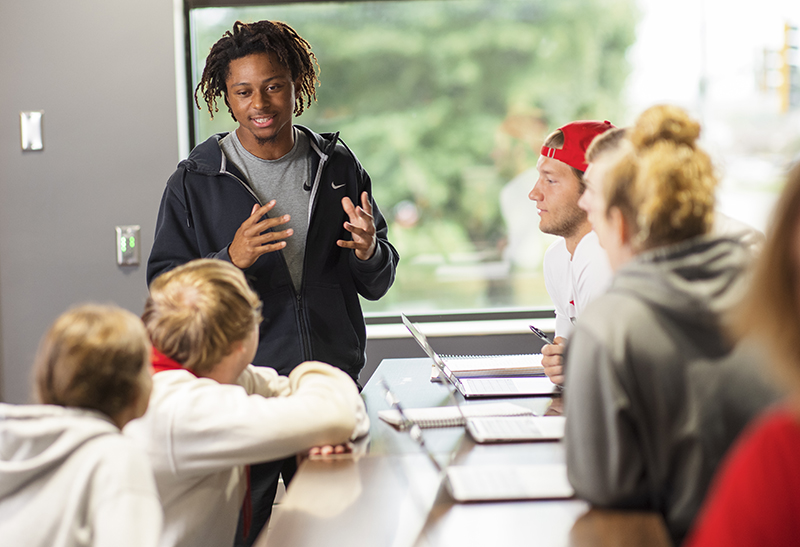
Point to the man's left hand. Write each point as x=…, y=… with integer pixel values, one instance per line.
x=361, y=226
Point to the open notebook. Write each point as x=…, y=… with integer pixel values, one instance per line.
x=486, y=423
x=449, y=416
x=487, y=386
x=473, y=483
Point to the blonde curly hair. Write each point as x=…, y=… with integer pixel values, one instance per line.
x=661, y=181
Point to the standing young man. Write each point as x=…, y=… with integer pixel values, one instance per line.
x=576, y=269
x=291, y=208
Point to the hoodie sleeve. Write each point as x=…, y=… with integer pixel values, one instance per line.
x=605, y=462
x=374, y=277
x=322, y=408
x=264, y=381
x=175, y=241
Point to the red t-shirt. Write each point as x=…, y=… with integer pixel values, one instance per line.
x=755, y=498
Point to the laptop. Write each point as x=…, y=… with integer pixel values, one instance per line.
x=505, y=386
x=506, y=429
x=475, y=483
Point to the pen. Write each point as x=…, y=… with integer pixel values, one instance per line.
x=541, y=334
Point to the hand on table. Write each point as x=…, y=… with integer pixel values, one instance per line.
x=250, y=241
x=322, y=452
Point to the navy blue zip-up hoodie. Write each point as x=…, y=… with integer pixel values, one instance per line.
x=205, y=202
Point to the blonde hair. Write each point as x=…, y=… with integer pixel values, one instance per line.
x=661, y=181
x=196, y=312
x=770, y=311
x=605, y=142
x=91, y=357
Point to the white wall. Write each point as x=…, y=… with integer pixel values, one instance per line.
x=103, y=72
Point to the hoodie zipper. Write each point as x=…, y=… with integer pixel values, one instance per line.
x=305, y=331
x=305, y=334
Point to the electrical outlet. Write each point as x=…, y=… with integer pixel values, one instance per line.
x=128, y=247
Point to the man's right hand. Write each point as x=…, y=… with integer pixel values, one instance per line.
x=553, y=361
x=250, y=241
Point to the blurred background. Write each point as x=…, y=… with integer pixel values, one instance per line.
x=446, y=103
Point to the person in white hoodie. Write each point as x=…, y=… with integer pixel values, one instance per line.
x=212, y=413
x=68, y=478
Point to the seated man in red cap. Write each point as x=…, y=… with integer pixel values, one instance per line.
x=576, y=269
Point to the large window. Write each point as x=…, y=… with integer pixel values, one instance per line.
x=446, y=103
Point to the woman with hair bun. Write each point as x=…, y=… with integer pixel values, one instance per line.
x=68, y=478
x=655, y=391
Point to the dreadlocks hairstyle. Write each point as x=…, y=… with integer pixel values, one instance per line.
x=262, y=37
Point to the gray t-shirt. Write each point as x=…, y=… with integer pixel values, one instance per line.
x=281, y=180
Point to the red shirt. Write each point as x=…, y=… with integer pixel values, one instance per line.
x=755, y=498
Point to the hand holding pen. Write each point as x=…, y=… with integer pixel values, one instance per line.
x=552, y=356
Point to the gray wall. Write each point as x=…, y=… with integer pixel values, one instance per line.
x=103, y=72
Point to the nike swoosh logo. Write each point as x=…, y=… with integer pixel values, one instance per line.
x=337, y=187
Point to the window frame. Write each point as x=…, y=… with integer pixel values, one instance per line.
x=542, y=316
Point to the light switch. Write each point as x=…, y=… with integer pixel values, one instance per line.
x=128, y=247
x=31, y=129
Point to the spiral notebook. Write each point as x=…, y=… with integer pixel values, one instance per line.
x=451, y=416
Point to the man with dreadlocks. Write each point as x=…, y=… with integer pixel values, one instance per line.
x=292, y=208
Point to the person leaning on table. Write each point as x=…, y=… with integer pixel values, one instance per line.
x=212, y=413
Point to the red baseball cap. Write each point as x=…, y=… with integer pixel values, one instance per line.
x=577, y=138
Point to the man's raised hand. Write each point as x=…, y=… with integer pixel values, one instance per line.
x=361, y=226
x=250, y=241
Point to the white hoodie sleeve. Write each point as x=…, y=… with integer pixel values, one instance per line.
x=309, y=369
x=214, y=426
x=264, y=381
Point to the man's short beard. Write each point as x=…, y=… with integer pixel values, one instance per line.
x=568, y=225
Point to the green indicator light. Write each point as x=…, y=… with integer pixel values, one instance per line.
x=132, y=242
x=123, y=244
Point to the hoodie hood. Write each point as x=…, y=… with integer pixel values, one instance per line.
x=693, y=282
x=207, y=157
x=35, y=439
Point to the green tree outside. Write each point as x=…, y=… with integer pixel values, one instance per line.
x=444, y=102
